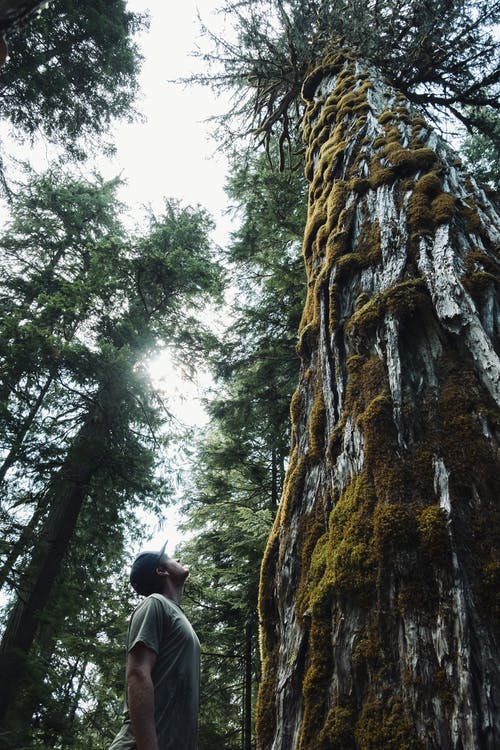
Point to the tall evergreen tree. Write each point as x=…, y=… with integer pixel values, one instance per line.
x=132, y=295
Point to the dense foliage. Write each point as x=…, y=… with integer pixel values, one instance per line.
x=241, y=461
x=71, y=71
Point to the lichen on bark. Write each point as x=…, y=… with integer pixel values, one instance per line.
x=379, y=589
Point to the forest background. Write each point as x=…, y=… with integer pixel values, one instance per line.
x=88, y=298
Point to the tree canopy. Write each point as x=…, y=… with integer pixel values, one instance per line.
x=71, y=71
x=441, y=55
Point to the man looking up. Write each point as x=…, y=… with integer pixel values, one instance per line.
x=163, y=661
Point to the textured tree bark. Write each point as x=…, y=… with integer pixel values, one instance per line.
x=379, y=590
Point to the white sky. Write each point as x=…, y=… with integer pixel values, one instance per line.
x=172, y=155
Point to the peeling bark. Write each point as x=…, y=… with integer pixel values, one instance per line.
x=379, y=590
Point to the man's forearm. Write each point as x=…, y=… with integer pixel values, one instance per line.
x=141, y=706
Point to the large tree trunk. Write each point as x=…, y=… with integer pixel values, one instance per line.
x=377, y=602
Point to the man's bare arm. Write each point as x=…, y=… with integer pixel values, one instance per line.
x=141, y=701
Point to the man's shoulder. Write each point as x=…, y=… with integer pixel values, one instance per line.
x=160, y=607
x=160, y=603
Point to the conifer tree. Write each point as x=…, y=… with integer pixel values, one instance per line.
x=98, y=302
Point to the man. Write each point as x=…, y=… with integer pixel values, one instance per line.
x=163, y=661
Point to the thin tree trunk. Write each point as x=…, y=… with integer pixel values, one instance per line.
x=13, y=453
x=247, y=690
x=25, y=537
x=379, y=587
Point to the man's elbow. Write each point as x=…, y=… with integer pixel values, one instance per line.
x=138, y=675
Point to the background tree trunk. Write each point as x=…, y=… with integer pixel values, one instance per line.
x=68, y=492
x=379, y=587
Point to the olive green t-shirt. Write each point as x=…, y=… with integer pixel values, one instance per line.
x=161, y=625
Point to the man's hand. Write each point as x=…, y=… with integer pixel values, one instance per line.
x=141, y=701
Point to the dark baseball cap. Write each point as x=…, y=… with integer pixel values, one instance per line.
x=143, y=572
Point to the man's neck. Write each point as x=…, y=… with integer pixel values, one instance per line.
x=173, y=593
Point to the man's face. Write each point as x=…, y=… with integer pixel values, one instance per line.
x=177, y=571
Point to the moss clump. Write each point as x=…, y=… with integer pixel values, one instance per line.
x=338, y=730
x=482, y=275
x=394, y=529
x=332, y=64
x=311, y=528
x=472, y=219
x=293, y=486
x=361, y=300
x=386, y=726
x=295, y=406
x=401, y=300
x=368, y=253
x=344, y=558
x=317, y=426
x=478, y=283
x=367, y=649
x=408, y=161
x=265, y=710
x=430, y=184
x=360, y=185
x=433, y=534
x=442, y=209
x=429, y=206
x=387, y=116
x=380, y=175
x=315, y=685
x=419, y=213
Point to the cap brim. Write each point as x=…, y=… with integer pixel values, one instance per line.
x=162, y=551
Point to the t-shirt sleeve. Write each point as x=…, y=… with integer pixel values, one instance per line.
x=147, y=625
